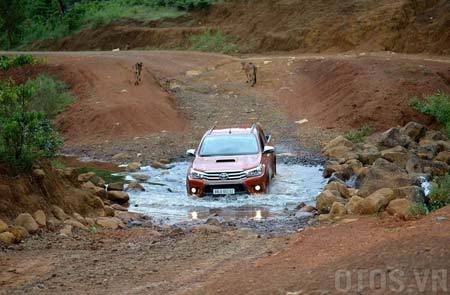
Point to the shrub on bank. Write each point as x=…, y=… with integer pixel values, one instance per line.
x=436, y=106
x=440, y=192
x=9, y=62
x=26, y=133
x=48, y=96
x=213, y=42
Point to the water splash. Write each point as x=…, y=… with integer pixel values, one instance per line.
x=165, y=195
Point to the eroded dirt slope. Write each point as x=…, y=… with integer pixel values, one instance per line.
x=409, y=26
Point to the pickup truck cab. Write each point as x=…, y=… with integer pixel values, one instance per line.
x=232, y=161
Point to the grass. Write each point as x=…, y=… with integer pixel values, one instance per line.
x=436, y=106
x=213, y=42
x=418, y=210
x=106, y=175
x=9, y=62
x=360, y=134
x=48, y=95
x=440, y=192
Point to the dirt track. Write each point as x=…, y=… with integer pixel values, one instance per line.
x=336, y=92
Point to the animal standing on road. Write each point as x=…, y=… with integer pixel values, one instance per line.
x=250, y=72
x=137, y=73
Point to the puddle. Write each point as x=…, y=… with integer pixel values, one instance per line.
x=166, y=201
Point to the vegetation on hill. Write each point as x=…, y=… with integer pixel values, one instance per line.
x=9, y=62
x=25, y=21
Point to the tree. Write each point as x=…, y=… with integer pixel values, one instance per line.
x=12, y=16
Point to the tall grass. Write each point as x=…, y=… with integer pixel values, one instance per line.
x=9, y=62
x=213, y=42
x=48, y=96
x=440, y=192
x=360, y=134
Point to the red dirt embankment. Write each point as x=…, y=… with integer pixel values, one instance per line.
x=108, y=105
x=407, y=26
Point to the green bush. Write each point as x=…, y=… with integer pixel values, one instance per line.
x=213, y=42
x=8, y=62
x=440, y=192
x=360, y=134
x=106, y=175
x=437, y=106
x=48, y=95
x=25, y=136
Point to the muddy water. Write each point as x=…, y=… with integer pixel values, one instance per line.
x=165, y=197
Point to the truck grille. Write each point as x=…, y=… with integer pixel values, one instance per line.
x=224, y=175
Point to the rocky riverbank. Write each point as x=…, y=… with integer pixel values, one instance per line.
x=385, y=173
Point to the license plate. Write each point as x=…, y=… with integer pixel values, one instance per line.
x=223, y=191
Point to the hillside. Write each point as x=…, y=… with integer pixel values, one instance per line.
x=407, y=26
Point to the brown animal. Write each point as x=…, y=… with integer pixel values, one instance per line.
x=250, y=72
x=137, y=73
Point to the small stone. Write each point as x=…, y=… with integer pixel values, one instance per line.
x=59, y=213
x=3, y=226
x=135, y=186
x=85, y=176
x=206, y=229
x=133, y=167
x=75, y=223
x=116, y=186
x=19, y=233
x=7, y=238
x=66, y=230
x=39, y=173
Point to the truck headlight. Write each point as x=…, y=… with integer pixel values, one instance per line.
x=196, y=174
x=258, y=171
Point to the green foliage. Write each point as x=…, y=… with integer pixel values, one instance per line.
x=25, y=136
x=440, y=192
x=437, y=106
x=8, y=62
x=48, y=95
x=43, y=19
x=108, y=176
x=213, y=42
x=11, y=17
x=57, y=164
x=360, y=134
x=418, y=210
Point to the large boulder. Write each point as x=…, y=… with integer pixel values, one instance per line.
x=443, y=156
x=7, y=238
x=341, y=188
x=117, y=196
x=368, y=153
x=135, y=186
x=354, y=206
x=412, y=193
x=27, y=221
x=414, y=130
x=400, y=208
x=413, y=164
x=40, y=218
x=325, y=200
x=397, y=155
x=377, y=201
x=206, y=229
x=116, y=186
x=435, y=168
x=434, y=135
x=337, y=142
x=3, y=226
x=393, y=137
x=337, y=210
x=384, y=174
x=59, y=213
x=89, y=186
x=75, y=223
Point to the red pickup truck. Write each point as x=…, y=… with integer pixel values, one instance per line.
x=232, y=161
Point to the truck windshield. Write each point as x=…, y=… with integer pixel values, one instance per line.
x=229, y=145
